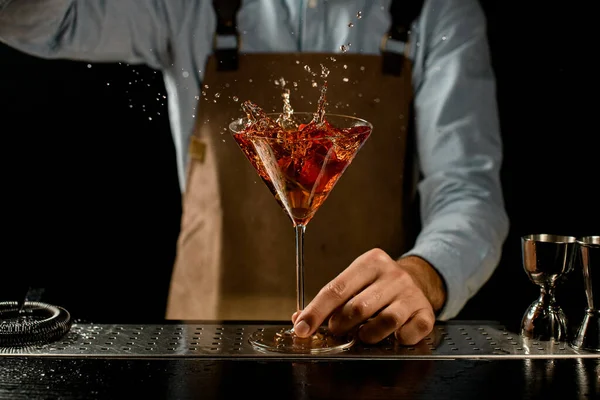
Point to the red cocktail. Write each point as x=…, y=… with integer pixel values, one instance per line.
x=300, y=157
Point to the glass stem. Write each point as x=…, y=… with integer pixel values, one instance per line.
x=300, y=266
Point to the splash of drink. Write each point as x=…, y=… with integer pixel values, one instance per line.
x=285, y=119
x=299, y=162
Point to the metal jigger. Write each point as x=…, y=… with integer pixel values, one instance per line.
x=588, y=335
x=547, y=260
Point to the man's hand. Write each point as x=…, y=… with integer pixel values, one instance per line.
x=379, y=295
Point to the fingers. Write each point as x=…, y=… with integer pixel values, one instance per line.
x=361, y=273
x=397, y=317
x=373, y=286
x=420, y=325
x=362, y=307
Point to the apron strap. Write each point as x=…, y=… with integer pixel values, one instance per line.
x=403, y=13
x=395, y=47
x=227, y=39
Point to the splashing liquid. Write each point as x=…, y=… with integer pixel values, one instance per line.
x=299, y=162
x=285, y=119
x=319, y=117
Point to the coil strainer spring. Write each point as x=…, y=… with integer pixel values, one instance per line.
x=36, y=323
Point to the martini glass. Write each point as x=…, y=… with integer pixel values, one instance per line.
x=300, y=167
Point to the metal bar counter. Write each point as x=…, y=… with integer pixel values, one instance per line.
x=460, y=359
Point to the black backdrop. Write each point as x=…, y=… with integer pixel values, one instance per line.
x=91, y=204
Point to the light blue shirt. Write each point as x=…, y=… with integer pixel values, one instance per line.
x=458, y=140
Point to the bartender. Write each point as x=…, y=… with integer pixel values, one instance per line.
x=457, y=141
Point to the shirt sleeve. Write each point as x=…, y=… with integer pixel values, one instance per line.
x=129, y=31
x=464, y=223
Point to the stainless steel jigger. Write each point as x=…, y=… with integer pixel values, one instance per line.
x=588, y=335
x=547, y=260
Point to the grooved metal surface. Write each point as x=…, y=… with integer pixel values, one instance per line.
x=447, y=341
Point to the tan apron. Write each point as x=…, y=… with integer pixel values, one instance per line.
x=235, y=254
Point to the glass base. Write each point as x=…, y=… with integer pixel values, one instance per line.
x=281, y=339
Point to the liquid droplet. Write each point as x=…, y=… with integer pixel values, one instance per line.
x=205, y=86
x=217, y=95
x=315, y=84
x=350, y=25
x=345, y=66
x=324, y=72
x=235, y=98
x=285, y=118
x=343, y=48
x=345, y=79
x=307, y=68
x=444, y=38
x=359, y=15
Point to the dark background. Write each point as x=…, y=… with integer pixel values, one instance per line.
x=91, y=203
